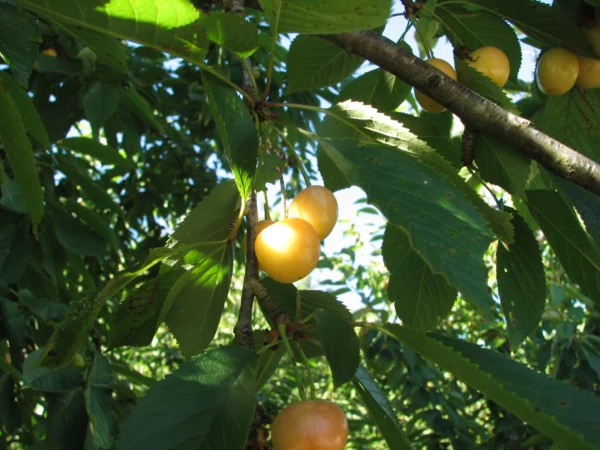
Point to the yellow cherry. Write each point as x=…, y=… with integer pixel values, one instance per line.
x=593, y=36
x=426, y=102
x=288, y=250
x=259, y=227
x=310, y=424
x=557, y=71
x=589, y=73
x=491, y=62
x=318, y=206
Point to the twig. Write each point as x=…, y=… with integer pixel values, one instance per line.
x=410, y=8
x=243, y=327
x=468, y=146
x=283, y=200
x=474, y=110
x=288, y=347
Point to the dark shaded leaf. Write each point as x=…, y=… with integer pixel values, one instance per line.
x=521, y=282
x=207, y=403
x=341, y=346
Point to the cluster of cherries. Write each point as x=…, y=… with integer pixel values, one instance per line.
x=288, y=250
x=558, y=70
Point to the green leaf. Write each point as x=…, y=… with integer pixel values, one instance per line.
x=136, y=320
x=591, y=354
x=208, y=403
x=341, y=346
x=231, y=31
x=380, y=410
x=7, y=236
x=210, y=219
x=566, y=414
x=483, y=85
x=538, y=21
x=195, y=303
x=573, y=119
x=576, y=252
x=285, y=295
x=67, y=419
x=353, y=120
x=95, y=221
x=98, y=402
x=377, y=88
x=501, y=164
x=476, y=29
x=99, y=103
x=314, y=63
x=47, y=380
x=19, y=40
x=431, y=128
x=91, y=147
x=421, y=297
x=109, y=51
x=587, y=205
x=10, y=413
x=15, y=242
x=13, y=136
x=427, y=31
x=77, y=237
x=138, y=105
x=74, y=330
x=521, y=282
x=170, y=26
x=90, y=188
x=416, y=199
x=270, y=168
x=236, y=129
x=31, y=118
x=325, y=17
x=268, y=361
x=48, y=310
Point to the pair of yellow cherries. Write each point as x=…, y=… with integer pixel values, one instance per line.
x=288, y=250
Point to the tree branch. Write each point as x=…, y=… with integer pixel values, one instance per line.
x=475, y=111
x=243, y=327
x=268, y=305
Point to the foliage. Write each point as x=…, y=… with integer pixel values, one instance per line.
x=128, y=161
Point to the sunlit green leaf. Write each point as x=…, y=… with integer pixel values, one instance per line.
x=238, y=133
x=325, y=16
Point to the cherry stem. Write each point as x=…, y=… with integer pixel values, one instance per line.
x=266, y=206
x=311, y=382
x=296, y=156
x=283, y=333
x=283, y=200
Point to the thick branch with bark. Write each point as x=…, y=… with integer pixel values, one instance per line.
x=475, y=111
